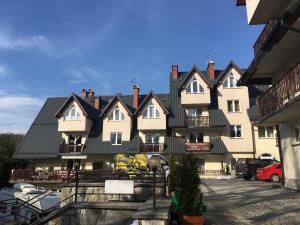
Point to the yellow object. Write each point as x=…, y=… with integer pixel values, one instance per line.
x=131, y=163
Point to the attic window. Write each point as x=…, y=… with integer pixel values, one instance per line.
x=116, y=114
x=194, y=87
x=230, y=81
x=72, y=114
x=151, y=111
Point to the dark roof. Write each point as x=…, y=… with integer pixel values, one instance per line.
x=256, y=91
x=42, y=138
x=87, y=109
x=254, y=113
x=231, y=64
x=162, y=101
x=218, y=146
x=123, y=101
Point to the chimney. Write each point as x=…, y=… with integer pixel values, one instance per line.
x=84, y=93
x=91, y=93
x=136, y=91
x=211, y=69
x=175, y=72
x=97, y=103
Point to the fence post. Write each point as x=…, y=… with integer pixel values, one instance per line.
x=17, y=212
x=154, y=169
x=76, y=182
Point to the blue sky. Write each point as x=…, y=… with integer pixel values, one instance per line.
x=53, y=48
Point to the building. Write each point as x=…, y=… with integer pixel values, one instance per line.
x=277, y=63
x=205, y=113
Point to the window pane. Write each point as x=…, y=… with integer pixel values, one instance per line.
x=117, y=114
x=119, y=138
x=149, y=138
x=151, y=111
x=113, y=138
x=261, y=132
x=199, y=112
x=225, y=84
x=194, y=83
x=297, y=133
x=237, y=106
x=199, y=138
x=156, y=138
x=238, y=131
x=145, y=115
x=192, y=138
x=230, y=106
x=157, y=113
x=78, y=116
x=122, y=116
x=73, y=111
x=232, y=131
x=188, y=89
x=201, y=89
x=270, y=131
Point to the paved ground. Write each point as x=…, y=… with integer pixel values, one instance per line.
x=239, y=202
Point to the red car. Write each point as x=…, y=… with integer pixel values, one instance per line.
x=272, y=172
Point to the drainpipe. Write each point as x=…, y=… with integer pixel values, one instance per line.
x=253, y=140
x=280, y=154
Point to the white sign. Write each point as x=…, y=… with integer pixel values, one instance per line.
x=119, y=187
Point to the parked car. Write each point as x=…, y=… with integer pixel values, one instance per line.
x=272, y=172
x=246, y=167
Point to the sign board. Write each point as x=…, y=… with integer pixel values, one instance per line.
x=119, y=187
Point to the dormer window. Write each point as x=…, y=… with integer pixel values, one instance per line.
x=230, y=82
x=116, y=114
x=151, y=111
x=72, y=114
x=194, y=87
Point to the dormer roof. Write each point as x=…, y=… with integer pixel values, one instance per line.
x=111, y=104
x=230, y=65
x=147, y=99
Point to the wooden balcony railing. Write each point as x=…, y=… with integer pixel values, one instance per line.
x=281, y=92
x=65, y=148
x=197, y=121
x=264, y=35
x=145, y=147
x=198, y=147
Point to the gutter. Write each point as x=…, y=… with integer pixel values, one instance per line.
x=280, y=155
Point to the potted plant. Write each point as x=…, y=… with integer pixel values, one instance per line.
x=190, y=198
x=172, y=175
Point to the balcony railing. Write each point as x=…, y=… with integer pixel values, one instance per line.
x=281, y=92
x=198, y=147
x=263, y=37
x=145, y=147
x=65, y=148
x=197, y=121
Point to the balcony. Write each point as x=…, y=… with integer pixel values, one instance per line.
x=198, y=147
x=197, y=121
x=145, y=147
x=282, y=92
x=69, y=149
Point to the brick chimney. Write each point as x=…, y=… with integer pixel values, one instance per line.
x=84, y=93
x=136, y=91
x=175, y=72
x=97, y=103
x=91, y=93
x=211, y=69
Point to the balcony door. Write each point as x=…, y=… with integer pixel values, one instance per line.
x=152, y=138
x=196, y=137
x=193, y=112
x=75, y=139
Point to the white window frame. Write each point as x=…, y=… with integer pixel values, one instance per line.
x=147, y=112
x=117, y=134
x=198, y=91
x=265, y=132
x=114, y=114
x=235, y=130
x=68, y=116
x=233, y=106
x=193, y=112
x=152, y=138
x=226, y=83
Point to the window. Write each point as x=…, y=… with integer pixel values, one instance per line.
x=196, y=137
x=75, y=139
x=233, y=106
x=151, y=112
x=72, y=114
x=116, y=138
x=194, y=87
x=265, y=132
x=230, y=82
x=116, y=114
x=297, y=133
x=236, y=131
x=194, y=112
x=152, y=138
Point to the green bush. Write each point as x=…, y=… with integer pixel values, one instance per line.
x=189, y=193
x=172, y=174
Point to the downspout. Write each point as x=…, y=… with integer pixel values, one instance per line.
x=280, y=155
x=253, y=140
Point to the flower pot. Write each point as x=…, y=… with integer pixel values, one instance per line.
x=191, y=220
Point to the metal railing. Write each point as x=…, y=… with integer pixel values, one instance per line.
x=66, y=148
x=197, y=121
x=198, y=147
x=150, y=147
x=281, y=92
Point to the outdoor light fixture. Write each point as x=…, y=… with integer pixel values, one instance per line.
x=154, y=164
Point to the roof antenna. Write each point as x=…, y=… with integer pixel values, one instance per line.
x=209, y=60
x=133, y=81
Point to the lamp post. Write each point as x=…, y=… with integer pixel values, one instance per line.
x=154, y=163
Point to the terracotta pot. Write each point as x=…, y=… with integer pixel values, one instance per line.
x=191, y=220
x=171, y=193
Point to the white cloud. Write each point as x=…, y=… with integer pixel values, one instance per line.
x=18, y=112
x=12, y=43
x=81, y=75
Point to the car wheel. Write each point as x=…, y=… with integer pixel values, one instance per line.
x=275, y=178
